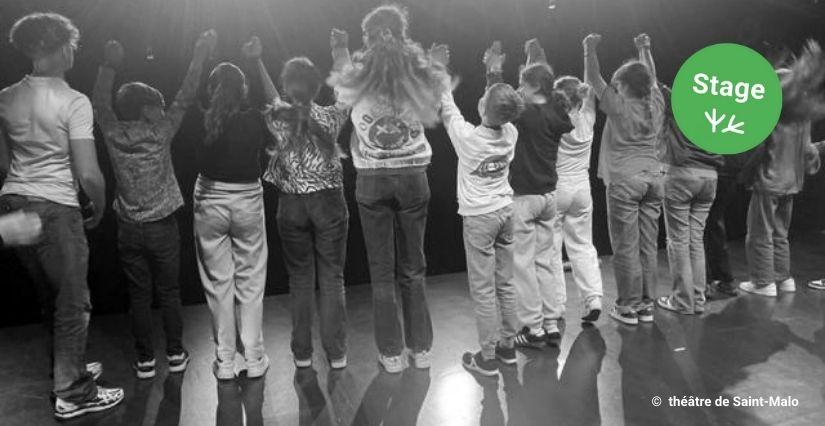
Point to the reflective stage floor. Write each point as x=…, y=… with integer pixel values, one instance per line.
x=745, y=347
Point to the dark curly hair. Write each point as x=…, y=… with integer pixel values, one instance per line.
x=132, y=97
x=40, y=34
x=637, y=77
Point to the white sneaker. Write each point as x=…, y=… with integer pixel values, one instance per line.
x=338, y=364
x=257, y=368
x=145, y=369
x=95, y=369
x=178, y=363
x=749, y=286
x=422, y=360
x=106, y=398
x=302, y=363
x=788, y=285
x=223, y=370
x=393, y=364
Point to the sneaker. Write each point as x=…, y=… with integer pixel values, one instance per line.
x=476, y=363
x=645, y=315
x=506, y=355
x=223, y=370
x=95, y=369
x=592, y=310
x=422, y=360
x=817, y=284
x=667, y=303
x=179, y=362
x=726, y=288
x=751, y=287
x=534, y=340
x=144, y=369
x=106, y=398
x=303, y=363
x=257, y=368
x=337, y=364
x=629, y=318
x=552, y=334
x=788, y=285
x=393, y=364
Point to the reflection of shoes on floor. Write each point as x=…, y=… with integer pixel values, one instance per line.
x=337, y=364
x=144, y=369
x=788, y=285
x=95, y=369
x=105, y=399
x=766, y=290
x=392, y=364
x=477, y=363
x=258, y=367
x=817, y=284
x=422, y=360
x=592, y=310
x=506, y=355
x=629, y=318
x=645, y=314
x=223, y=370
x=530, y=339
x=178, y=362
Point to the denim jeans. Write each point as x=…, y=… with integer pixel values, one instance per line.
x=488, y=244
x=634, y=205
x=573, y=229
x=58, y=266
x=393, y=210
x=540, y=294
x=150, y=254
x=766, y=245
x=688, y=199
x=716, y=237
x=313, y=229
x=231, y=249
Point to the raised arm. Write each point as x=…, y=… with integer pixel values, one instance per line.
x=642, y=42
x=534, y=51
x=253, y=50
x=494, y=63
x=457, y=127
x=187, y=94
x=339, y=42
x=592, y=70
x=102, y=92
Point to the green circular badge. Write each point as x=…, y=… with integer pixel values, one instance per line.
x=726, y=98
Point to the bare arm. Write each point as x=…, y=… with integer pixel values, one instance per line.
x=642, y=42
x=188, y=92
x=535, y=53
x=592, y=70
x=339, y=42
x=494, y=63
x=252, y=50
x=102, y=92
x=87, y=172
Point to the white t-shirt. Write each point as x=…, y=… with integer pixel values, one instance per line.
x=40, y=115
x=484, y=157
x=574, y=150
x=387, y=138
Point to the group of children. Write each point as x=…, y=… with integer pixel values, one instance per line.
x=523, y=190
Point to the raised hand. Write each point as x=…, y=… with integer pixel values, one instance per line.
x=112, y=54
x=440, y=54
x=494, y=57
x=642, y=41
x=591, y=41
x=252, y=49
x=205, y=45
x=338, y=39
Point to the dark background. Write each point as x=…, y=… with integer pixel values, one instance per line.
x=158, y=37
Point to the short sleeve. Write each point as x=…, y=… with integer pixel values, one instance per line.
x=80, y=119
x=611, y=102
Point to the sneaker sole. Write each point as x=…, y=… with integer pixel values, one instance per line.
x=593, y=316
x=391, y=370
x=815, y=287
x=338, y=366
x=87, y=410
x=179, y=368
x=483, y=372
x=506, y=361
x=772, y=294
x=303, y=363
x=145, y=374
x=646, y=318
x=625, y=321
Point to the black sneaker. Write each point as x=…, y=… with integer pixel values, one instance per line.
x=528, y=339
x=105, y=399
x=645, y=315
x=506, y=355
x=727, y=288
x=178, y=362
x=477, y=363
x=144, y=369
x=552, y=334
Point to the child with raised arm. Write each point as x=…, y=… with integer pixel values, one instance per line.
x=485, y=204
x=533, y=179
x=305, y=166
x=394, y=91
x=573, y=226
x=631, y=167
x=147, y=196
x=52, y=156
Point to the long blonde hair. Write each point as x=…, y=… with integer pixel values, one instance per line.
x=227, y=92
x=392, y=67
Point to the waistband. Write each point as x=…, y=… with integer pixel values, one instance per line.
x=698, y=172
x=204, y=182
x=386, y=171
